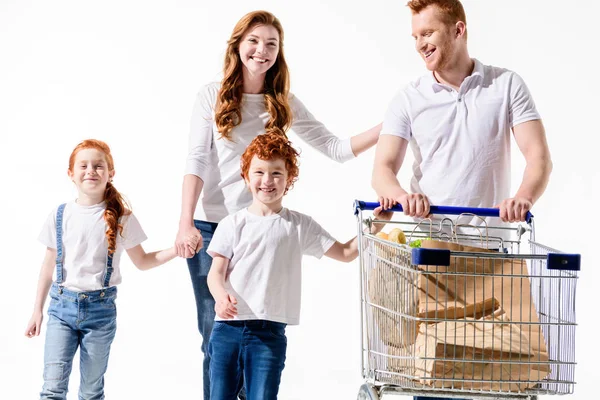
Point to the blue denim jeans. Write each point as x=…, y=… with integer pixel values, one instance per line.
x=250, y=353
x=199, y=265
x=78, y=319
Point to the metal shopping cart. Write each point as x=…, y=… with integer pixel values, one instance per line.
x=452, y=319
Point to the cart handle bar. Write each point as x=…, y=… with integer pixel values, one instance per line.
x=482, y=212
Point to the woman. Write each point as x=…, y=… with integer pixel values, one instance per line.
x=253, y=95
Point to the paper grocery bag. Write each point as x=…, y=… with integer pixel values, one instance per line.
x=471, y=280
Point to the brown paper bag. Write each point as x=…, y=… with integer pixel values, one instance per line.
x=470, y=281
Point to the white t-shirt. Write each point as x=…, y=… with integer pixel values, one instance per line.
x=461, y=139
x=85, y=247
x=265, y=254
x=217, y=161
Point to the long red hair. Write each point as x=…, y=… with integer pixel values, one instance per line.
x=228, y=112
x=116, y=206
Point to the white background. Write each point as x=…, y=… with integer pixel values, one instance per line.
x=126, y=72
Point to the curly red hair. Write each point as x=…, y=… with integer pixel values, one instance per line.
x=271, y=145
x=116, y=206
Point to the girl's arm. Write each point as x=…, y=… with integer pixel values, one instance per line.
x=346, y=252
x=44, y=281
x=144, y=261
x=224, y=302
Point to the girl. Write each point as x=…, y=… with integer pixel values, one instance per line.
x=255, y=277
x=253, y=95
x=84, y=240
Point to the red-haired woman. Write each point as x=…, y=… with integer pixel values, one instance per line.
x=84, y=240
x=253, y=96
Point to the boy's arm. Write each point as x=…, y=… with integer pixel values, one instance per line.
x=346, y=252
x=144, y=261
x=43, y=286
x=224, y=302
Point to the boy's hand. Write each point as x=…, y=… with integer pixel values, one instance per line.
x=225, y=307
x=378, y=213
x=34, y=327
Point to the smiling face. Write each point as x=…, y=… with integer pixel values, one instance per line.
x=259, y=49
x=435, y=40
x=91, y=173
x=268, y=181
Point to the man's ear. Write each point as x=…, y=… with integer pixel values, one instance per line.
x=460, y=29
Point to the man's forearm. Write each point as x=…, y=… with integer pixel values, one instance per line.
x=535, y=180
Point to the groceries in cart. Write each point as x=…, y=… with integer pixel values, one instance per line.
x=443, y=315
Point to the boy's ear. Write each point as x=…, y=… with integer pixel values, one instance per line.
x=70, y=174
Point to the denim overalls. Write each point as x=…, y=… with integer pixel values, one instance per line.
x=78, y=319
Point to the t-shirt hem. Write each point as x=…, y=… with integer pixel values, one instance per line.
x=253, y=317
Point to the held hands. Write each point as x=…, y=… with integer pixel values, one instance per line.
x=413, y=204
x=225, y=306
x=188, y=241
x=514, y=209
x=34, y=327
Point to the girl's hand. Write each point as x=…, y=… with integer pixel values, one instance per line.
x=34, y=326
x=193, y=243
x=183, y=250
x=225, y=307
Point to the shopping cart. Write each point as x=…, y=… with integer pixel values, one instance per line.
x=480, y=324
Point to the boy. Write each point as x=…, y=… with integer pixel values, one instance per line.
x=256, y=273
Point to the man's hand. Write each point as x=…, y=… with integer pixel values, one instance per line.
x=413, y=204
x=514, y=209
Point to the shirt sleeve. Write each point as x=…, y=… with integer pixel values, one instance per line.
x=48, y=234
x=222, y=240
x=521, y=106
x=133, y=234
x=315, y=240
x=201, y=133
x=397, y=121
x=313, y=132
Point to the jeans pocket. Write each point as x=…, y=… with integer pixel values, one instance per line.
x=54, y=371
x=277, y=329
x=109, y=303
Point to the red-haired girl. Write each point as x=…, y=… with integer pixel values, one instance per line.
x=84, y=240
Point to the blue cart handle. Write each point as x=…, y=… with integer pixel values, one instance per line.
x=482, y=212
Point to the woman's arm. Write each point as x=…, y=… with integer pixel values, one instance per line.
x=44, y=281
x=314, y=132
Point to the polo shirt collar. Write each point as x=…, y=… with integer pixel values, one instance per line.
x=478, y=73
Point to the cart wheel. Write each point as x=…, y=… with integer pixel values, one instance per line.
x=367, y=392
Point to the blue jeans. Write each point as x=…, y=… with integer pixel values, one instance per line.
x=199, y=265
x=78, y=319
x=250, y=353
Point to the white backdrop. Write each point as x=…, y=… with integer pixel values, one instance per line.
x=127, y=72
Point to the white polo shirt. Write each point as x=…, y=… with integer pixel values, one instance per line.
x=461, y=139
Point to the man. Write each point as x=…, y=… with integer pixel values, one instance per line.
x=458, y=118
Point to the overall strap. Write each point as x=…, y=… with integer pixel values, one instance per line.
x=59, y=244
x=109, y=270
